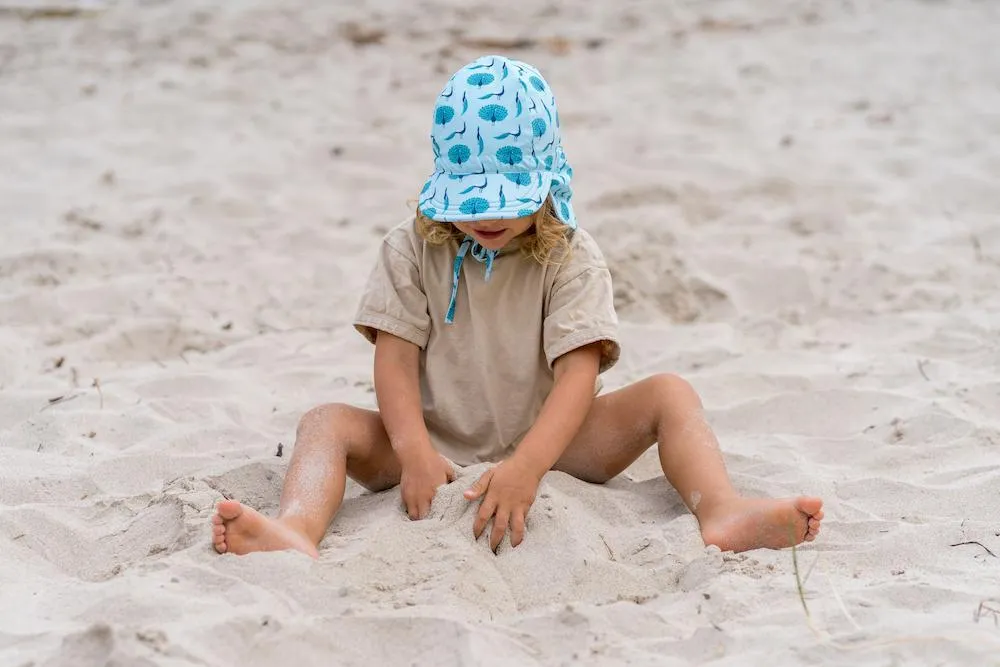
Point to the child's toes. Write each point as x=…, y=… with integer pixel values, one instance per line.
x=216, y=520
x=218, y=530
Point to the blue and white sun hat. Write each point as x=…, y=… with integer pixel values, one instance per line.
x=497, y=153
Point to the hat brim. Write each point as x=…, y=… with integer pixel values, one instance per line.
x=448, y=199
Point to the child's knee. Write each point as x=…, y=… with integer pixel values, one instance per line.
x=322, y=418
x=672, y=390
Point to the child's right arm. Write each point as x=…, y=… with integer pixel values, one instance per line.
x=397, y=387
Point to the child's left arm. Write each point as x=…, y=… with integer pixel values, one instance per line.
x=580, y=340
x=510, y=487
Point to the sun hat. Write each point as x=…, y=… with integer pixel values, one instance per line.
x=497, y=153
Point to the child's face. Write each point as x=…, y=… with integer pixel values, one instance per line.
x=495, y=234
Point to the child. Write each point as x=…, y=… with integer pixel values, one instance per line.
x=498, y=359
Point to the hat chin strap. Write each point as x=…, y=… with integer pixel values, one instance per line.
x=480, y=254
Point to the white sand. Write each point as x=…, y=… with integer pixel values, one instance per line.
x=801, y=207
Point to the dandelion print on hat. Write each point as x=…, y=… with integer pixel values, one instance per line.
x=497, y=147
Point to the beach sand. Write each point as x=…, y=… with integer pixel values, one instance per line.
x=799, y=204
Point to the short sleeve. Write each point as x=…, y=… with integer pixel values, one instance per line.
x=394, y=299
x=581, y=311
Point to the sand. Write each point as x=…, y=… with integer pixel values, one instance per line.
x=799, y=204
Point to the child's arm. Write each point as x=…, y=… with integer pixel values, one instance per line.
x=397, y=367
x=397, y=387
x=510, y=487
x=564, y=410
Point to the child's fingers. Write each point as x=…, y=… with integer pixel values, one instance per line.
x=412, y=505
x=516, y=527
x=499, y=528
x=450, y=472
x=479, y=488
x=486, y=511
x=423, y=508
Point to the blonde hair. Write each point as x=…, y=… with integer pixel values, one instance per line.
x=546, y=241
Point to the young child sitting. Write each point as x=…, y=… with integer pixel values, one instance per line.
x=492, y=316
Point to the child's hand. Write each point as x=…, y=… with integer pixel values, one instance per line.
x=420, y=478
x=507, y=491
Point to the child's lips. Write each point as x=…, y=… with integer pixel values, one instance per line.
x=490, y=235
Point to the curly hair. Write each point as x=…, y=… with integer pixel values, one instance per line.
x=546, y=241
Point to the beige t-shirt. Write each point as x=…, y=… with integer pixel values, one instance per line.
x=484, y=378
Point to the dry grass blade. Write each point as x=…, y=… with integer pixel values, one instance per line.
x=843, y=607
x=798, y=581
x=805, y=579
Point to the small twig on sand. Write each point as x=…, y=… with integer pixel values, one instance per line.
x=59, y=399
x=54, y=12
x=920, y=367
x=503, y=43
x=611, y=554
x=987, y=608
x=960, y=544
x=280, y=451
x=97, y=385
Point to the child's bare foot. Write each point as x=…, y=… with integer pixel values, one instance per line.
x=742, y=524
x=238, y=529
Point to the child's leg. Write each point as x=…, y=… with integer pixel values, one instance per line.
x=332, y=442
x=665, y=409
